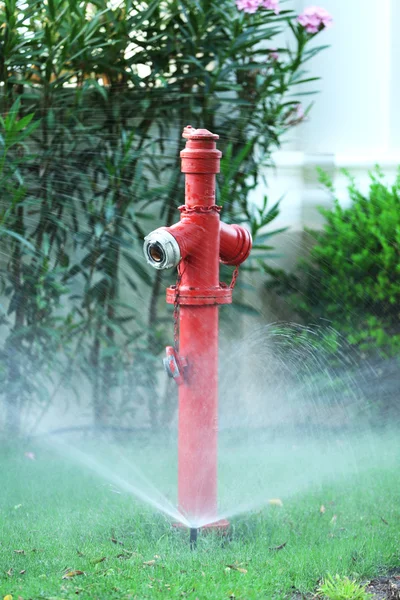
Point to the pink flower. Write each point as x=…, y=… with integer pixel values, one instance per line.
x=30, y=455
x=251, y=6
x=273, y=54
x=271, y=5
x=248, y=6
x=295, y=115
x=300, y=112
x=314, y=19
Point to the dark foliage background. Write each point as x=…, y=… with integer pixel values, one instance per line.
x=94, y=96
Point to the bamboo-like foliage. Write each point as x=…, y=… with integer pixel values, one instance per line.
x=111, y=83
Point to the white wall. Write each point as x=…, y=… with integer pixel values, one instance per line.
x=352, y=113
x=355, y=120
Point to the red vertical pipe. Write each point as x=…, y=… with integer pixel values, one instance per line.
x=198, y=414
x=198, y=341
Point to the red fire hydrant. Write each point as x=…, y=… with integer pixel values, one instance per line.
x=196, y=245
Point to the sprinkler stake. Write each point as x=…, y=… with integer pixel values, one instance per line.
x=193, y=538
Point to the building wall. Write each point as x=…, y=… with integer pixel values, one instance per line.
x=355, y=119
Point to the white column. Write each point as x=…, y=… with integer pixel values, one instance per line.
x=394, y=124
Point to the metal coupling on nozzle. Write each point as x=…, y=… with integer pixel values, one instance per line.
x=174, y=365
x=161, y=249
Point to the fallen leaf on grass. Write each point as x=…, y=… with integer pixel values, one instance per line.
x=72, y=574
x=19, y=551
x=275, y=502
x=115, y=541
x=237, y=568
x=96, y=561
x=384, y=521
x=22, y=572
x=10, y=572
x=8, y=597
x=125, y=554
x=322, y=510
x=333, y=520
x=17, y=506
x=276, y=548
x=108, y=572
x=149, y=563
x=79, y=553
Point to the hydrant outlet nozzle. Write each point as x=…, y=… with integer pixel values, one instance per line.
x=161, y=249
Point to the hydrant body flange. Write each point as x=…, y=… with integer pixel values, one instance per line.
x=203, y=241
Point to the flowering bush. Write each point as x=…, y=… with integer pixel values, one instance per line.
x=313, y=19
x=114, y=83
x=251, y=6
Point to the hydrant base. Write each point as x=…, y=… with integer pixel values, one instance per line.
x=220, y=526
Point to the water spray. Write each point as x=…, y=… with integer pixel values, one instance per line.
x=196, y=245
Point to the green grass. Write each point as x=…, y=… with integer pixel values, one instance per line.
x=342, y=588
x=64, y=518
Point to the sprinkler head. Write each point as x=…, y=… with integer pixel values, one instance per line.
x=161, y=249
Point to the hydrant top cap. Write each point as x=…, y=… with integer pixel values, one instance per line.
x=198, y=134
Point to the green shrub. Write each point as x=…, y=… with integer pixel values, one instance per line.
x=342, y=588
x=352, y=275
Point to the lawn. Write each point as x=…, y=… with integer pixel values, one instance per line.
x=56, y=517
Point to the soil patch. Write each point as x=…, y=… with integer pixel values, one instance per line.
x=385, y=588
x=381, y=588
